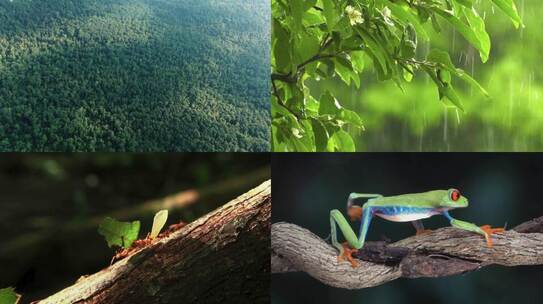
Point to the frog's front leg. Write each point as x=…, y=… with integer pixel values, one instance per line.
x=485, y=230
x=419, y=226
x=345, y=250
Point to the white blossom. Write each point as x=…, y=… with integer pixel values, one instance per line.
x=355, y=16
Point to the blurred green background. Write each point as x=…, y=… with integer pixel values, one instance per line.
x=415, y=120
x=51, y=206
x=502, y=188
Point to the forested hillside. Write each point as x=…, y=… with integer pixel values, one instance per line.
x=134, y=75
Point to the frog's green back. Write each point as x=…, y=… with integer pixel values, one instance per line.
x=424, y=199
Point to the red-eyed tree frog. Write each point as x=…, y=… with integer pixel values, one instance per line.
x=400, y=208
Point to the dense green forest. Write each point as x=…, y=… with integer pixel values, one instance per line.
x=134, y=75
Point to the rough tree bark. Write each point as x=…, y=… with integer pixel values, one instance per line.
x=444, y=252
x=223, y=256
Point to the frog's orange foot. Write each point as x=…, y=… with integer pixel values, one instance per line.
x=423, y=231
x=347, y=254
x=488, y=233
x=355, y=213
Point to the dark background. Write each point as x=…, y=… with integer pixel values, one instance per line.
x=46, y=198
x=502, y=188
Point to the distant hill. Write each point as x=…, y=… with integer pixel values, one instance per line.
x=134, y=75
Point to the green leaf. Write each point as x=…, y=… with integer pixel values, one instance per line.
x=466, y=3
x=345, y=71
x=475, y=38
x=357, y=60
x=121, y=234
x=449, y=92
x=306, y=47
x=158, y=222
x=376, y=51
x=477, y=24
x=403, y=13
x=281, y=48
x=331, y=14
x=350, y=117
x=296, y=137
x=468, y=79
x=8, y=296
x=341, y=141
x=296, y=11
x=444, y=76
x=312, y=17
x=329, y=105
x=441, y=57
x=408, y=49
x=321, y=135
x=510, y=9
x=444, y=59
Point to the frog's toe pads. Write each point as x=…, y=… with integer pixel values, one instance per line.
x=346, y=255
x=488, y=233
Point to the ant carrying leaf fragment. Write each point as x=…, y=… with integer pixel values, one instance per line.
x=9, y=296
x=158, y=222
x=121, y=234
x=120, y=228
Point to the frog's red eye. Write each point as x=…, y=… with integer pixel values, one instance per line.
x=455, y=195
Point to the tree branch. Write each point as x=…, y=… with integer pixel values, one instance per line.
x=223, y=255
x=444, y=252
x=24, y=247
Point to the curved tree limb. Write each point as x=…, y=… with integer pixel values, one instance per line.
x=444, y=252
x=223, y=255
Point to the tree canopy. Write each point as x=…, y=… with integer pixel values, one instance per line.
x=134, y=75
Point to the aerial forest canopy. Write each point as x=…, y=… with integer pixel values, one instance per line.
x=134, y=75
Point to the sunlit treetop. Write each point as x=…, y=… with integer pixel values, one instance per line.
x=322, y=39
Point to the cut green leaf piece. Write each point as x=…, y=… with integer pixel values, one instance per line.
x=9, y=296
x=121, y=234
x=158, y=222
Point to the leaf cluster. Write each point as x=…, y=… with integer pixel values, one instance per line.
x=321, y=39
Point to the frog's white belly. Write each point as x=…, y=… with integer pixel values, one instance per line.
x=405, y=214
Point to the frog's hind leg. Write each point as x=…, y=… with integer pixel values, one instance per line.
x=345, y=251
x=338, y=220
x=419, y=226
x=355, y=212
